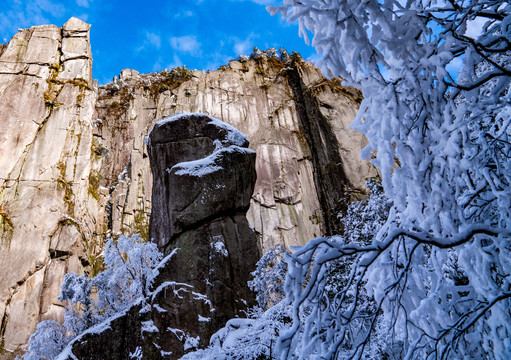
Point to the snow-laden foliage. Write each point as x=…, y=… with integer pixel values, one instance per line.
x=268, y=277
x=247, y=339
x=47, y=342
x=130, y=267
x=340, y=312
x=439, y=270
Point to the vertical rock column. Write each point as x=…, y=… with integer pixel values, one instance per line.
x=46, y=106
x=204, y=176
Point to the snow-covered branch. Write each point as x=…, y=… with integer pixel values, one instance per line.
x=435, y=281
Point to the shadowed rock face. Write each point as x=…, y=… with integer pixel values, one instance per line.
x=204, y=176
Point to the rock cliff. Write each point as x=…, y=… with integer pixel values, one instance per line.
x=46, y=216
x=74, y=169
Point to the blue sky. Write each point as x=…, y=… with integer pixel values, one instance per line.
x=149, y=35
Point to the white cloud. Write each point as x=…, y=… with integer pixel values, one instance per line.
x=157, y=64
x=27, y=13
x=186, y=44
x=176, y=62
x=244, y=47
x=83, y=3
x=217, y=59
x=151, y=40
x=184, y=14
x=83, y=17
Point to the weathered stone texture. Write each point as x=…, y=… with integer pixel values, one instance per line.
x=259, y=99
x=45, y=141
x=201, y=193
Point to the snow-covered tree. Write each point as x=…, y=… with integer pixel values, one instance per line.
x=269, y=276
x=130, y=267
x=47, y=342
x=439, y=270
x=129, y=271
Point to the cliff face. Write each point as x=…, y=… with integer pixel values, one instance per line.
x=46, y=108
x=74, y=169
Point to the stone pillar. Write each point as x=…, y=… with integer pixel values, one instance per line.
x=204, y=176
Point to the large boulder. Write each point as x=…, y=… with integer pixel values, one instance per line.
x=202, y=169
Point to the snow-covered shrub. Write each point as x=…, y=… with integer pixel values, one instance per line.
x=47, y=342
x=257, y=54
x=247, y=339
x=269, y=276
x=243, y=58
x=283, y=55
x=361, y=223
x=80, y=312
x=130, y=267
x=129, y=272
x=272, y=53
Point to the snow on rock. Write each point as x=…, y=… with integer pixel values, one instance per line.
x=148, y=326
x=191, y=342
x=231, y=136
x=203, y=179
x=208, y=164
x=219, y=245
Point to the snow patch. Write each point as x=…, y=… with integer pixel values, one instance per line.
x=219, y=245
x=204, y=319
x=191, y=342
x=178, y=332
x=208, y=164
x=137, y=354
x=159, y=308
x=149, y=327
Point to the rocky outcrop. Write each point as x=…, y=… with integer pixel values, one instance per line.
x=74, y=169
x=204, y=176
x=276, y=105
x=46, y=107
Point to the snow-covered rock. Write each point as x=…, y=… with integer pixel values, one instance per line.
x=203, y=178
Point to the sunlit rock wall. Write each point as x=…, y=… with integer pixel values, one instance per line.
x=74, y=167
x=296, y=120
x=46, y=213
